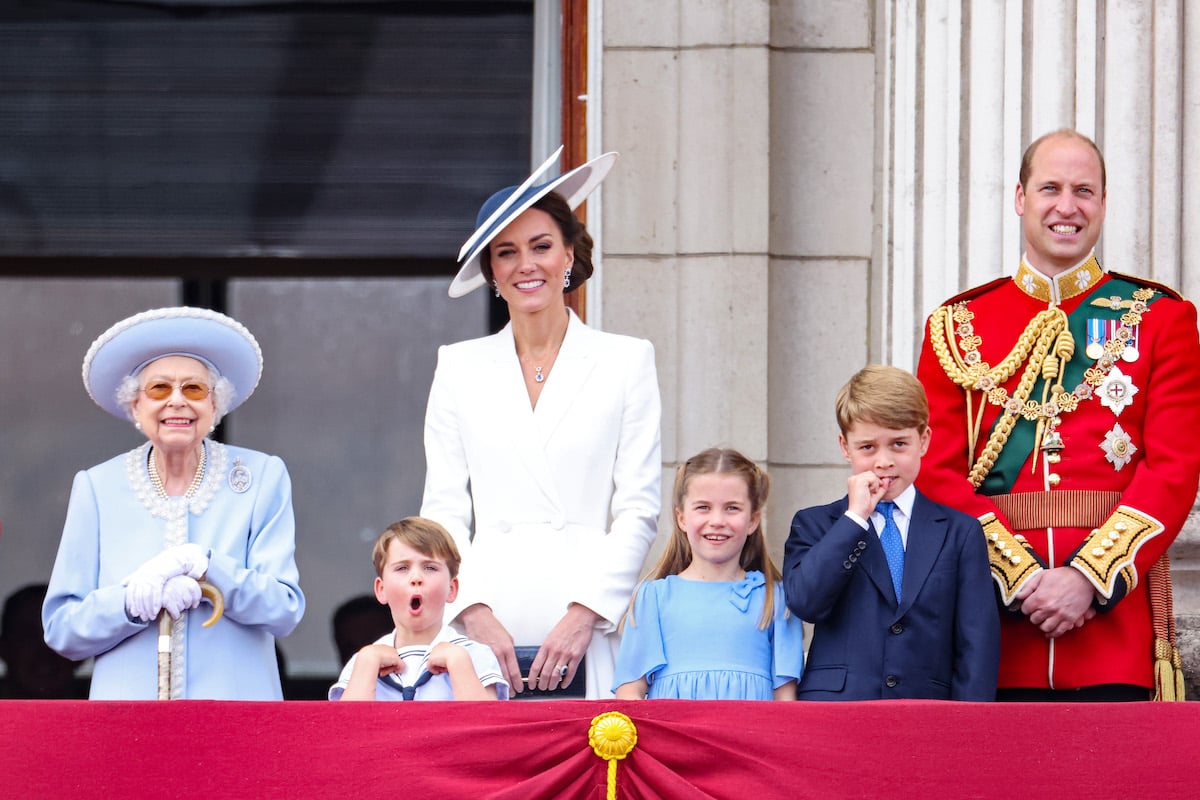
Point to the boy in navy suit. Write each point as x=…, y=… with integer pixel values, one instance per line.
x=898, y=587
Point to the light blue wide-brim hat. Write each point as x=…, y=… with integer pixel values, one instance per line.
x=220, y=342
x=499, y=210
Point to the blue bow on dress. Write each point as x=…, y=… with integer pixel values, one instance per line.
x=740, y=594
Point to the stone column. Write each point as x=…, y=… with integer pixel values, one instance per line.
x=685, y=101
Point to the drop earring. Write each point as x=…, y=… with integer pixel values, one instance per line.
x=496, y=286
x=567, y=279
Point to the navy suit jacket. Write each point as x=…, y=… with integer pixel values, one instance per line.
x=942, y=642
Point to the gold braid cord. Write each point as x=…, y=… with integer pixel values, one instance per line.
x=1168, y=663
x=1011, y=561
x=1040, y=348
x=1107, y=553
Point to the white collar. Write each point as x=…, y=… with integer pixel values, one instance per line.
x=904, y=502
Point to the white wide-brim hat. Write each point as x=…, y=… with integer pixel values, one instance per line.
x=220, y=342
x=499, y=210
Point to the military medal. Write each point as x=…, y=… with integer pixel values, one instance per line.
x=1117, y=446
x=1095, y=338
x=1116, y=390
x=1130, y=353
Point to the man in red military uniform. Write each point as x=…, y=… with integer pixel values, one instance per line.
x=1062, y=403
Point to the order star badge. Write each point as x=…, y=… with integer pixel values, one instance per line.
x=1117, y=390
x=1117, y=447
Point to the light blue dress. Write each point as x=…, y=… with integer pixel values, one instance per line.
x=116, y=520
x=700, y=640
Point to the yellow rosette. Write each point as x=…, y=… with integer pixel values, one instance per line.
x=612, y=736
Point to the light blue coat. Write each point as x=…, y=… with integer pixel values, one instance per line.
x=111, y=530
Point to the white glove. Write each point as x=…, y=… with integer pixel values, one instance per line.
x=144, y=588
x=180, y=594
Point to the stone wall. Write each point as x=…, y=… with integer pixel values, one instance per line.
x=802, y=181
x=1185, y=574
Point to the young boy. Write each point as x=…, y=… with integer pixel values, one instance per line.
x=416, y=564
x=897, y=587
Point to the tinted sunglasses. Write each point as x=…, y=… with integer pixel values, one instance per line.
x=161, y=390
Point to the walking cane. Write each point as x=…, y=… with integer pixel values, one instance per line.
x=164, y=636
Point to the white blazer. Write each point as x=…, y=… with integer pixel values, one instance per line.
x=551, y=505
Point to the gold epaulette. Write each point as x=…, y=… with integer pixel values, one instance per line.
x=1141, y=280
x=1011, y=560
x=976, y=291
x=1108, y=552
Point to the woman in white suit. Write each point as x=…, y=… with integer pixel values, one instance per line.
x=542, y=445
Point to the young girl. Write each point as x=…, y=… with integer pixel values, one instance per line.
x=712, y=623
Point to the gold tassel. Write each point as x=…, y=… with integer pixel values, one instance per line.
x=1168, y=662
x=1164, y=672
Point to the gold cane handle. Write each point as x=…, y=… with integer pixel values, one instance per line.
x=218, y=603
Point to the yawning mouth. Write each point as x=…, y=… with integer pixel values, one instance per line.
x=415, y=603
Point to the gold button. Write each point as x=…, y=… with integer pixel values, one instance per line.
x=1053, y=458
x=1020, y=538
x=1015, y=560
x=1006, y=552
x=1106, y=544
x=1097, y=551
x=1121, y=526
x=1053, y=479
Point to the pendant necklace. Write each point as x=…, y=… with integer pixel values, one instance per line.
x=539, y=377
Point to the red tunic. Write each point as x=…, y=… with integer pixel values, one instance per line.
x=1119, y=489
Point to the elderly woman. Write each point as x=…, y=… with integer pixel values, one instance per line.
x=542, y=446
x=144, y=527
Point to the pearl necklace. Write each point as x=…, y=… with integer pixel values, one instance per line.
x=152, y=467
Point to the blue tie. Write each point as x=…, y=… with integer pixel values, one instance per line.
x=893, y=546
x=409, y=692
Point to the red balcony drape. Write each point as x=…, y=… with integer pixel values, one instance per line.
x=530, y=750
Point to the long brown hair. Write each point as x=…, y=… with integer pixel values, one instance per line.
x=678, y=554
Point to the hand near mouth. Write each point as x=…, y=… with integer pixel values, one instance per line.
x=863, y=491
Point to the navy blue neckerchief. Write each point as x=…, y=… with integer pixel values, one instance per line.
x=409, y=692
